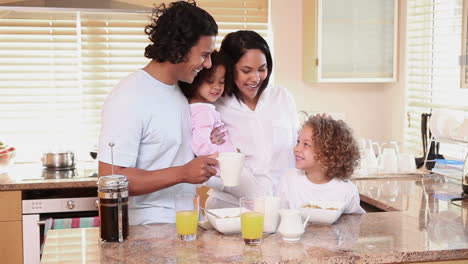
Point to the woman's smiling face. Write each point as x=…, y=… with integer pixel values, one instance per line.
x=250, y=72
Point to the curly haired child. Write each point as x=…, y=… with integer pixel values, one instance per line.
x=326, y=154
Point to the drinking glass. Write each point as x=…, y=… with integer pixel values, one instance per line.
x=187, y=206
x=272, y=205
x=252, y=217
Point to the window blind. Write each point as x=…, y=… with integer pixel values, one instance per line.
x=433, y=71
x=58, y=65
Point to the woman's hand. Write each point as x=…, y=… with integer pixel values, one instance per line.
x=217, y=137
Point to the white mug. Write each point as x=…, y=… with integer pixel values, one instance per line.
x=230, y=167
x=271, y=218
x=406, y=163
x=388, y=161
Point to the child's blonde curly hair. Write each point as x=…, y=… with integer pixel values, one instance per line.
x=334, y=146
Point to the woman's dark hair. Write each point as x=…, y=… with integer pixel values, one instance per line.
x=189, y=89
x=334, y=146
x=176, y=29
x=234, y=46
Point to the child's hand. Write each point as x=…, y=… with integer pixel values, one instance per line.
x=217, y=137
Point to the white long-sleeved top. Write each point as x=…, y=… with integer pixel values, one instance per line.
x=295, y=191
x=266, y=136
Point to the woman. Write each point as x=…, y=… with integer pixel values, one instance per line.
x=261, y=119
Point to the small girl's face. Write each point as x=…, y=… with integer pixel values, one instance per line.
x=212, y=88
x=304, y=151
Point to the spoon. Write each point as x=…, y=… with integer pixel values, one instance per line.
x=211, y=213
x=307, y=219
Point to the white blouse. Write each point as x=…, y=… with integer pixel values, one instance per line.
x=266, y=135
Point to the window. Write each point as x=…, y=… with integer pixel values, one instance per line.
x=433, y=70
x=58, y=65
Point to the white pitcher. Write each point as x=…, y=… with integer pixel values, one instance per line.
x=291, y=226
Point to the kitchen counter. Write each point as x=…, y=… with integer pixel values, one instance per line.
x=422, y=225
x=31, y=176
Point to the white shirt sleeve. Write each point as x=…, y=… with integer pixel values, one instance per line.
x=215, y=182
x=353, y=206
x=250, y=185
x=282, y=191
x=122, y=125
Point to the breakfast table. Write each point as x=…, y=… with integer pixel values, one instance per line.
x=421, y=223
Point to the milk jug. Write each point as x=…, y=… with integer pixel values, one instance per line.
x=291, y=226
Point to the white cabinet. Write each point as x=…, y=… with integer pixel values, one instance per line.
x=350, y=40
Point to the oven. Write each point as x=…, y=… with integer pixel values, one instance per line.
x=39, y=205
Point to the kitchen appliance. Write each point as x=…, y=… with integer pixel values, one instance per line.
x=39, y=205
x=465, y=176
x=58, y=160
x=49, y=173
x=113, y=207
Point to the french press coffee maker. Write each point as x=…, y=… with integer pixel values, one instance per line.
x=113, y=206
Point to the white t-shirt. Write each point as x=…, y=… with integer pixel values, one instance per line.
x=266, y=136
x=296, y=190
x=149, y=123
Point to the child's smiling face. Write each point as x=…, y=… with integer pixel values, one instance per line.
x=212, y=88
x=304, y=151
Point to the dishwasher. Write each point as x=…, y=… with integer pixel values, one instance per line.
x=39, y=205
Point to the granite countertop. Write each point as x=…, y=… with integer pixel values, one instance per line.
x=32, y=176
x=421, y=225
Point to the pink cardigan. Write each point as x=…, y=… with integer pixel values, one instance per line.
x=205, y=118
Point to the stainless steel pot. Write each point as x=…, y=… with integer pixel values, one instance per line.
x=58, y=160
x=50, y=173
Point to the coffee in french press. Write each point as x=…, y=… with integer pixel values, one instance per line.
x=113, y=207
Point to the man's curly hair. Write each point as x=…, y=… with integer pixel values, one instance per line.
x=175, y=29
x=334, y=146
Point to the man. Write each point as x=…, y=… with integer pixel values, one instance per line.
x=147, y=117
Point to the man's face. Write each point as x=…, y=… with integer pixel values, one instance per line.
x=199, y=57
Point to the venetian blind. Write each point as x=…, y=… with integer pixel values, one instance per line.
x=57, y=67
x=433, y=71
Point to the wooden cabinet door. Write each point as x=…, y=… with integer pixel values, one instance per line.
x=11, y=229
x=11, y=242
x=10, y=206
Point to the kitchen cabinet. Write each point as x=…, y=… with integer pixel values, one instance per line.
x=11, y=243
x=350, y=40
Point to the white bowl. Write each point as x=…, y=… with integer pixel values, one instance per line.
x=229, y=221
x=323, y=215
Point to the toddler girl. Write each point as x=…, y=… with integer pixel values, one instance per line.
x=326, y=155
x=206, y=88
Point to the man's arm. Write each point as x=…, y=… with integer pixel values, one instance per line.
x=142, y=182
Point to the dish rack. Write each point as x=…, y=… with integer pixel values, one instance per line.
x=460, y=142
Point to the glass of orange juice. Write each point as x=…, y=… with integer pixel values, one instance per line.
x=186, y=206
x=252, y=215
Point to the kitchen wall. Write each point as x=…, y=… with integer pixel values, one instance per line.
x=373, y=110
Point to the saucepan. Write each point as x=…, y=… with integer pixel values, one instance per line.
x=58, y=160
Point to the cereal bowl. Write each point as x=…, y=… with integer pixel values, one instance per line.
x=226, y=221
x=322, y=212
